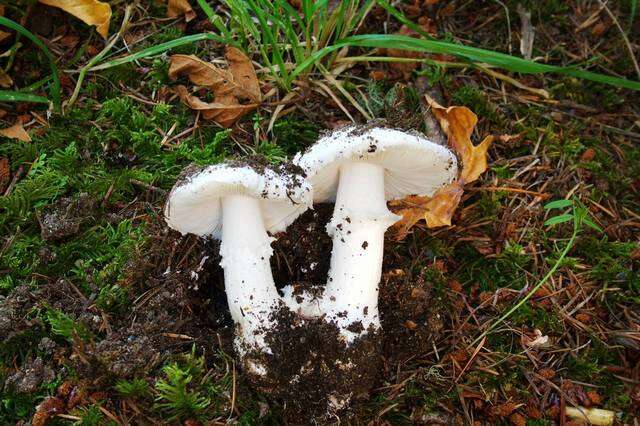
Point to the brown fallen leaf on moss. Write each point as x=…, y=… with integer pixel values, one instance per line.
x=436, y=211
x=4, y=35
x=236, y=89
x=179, y=8
x=16, y=132
x=5, y=80
x=92, y=12
x=458, y=124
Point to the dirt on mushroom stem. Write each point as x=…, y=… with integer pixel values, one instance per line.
x=307, y=370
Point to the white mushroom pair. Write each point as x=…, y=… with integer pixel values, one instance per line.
x=360, y=169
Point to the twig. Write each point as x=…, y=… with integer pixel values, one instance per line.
x=15, y=179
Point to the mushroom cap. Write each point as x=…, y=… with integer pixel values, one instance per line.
x=413, y=165
x=194, y=204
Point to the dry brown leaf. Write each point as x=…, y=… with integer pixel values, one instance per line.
x=180, y=7
x=230, y=86
x=4, y=35
x=5, y=80
x=436, y=210
x=244, y=75
x=199, y=72
x=91, y=12
x=225, y=110
x=458, y=124
x=5, y=173
x=16, y=132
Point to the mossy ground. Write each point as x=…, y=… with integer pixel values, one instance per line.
x=117, y=147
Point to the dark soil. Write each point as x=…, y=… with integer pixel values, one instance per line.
x=65, y=217
x=313, y=371
x=301, y=256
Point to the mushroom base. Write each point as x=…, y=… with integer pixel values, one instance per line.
x=314, y=370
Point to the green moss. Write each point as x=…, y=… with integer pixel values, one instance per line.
x=294, y=134
x=612, y=264
x=475, y=99
x=507, y=270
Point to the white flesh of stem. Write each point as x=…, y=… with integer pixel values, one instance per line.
x=360, y=219
x=245, y=250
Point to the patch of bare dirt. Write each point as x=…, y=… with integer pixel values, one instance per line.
x=313, y=371
x=65, y=217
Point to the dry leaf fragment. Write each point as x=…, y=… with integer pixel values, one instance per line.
x=4, y=35
x=16, y=132
x=437, y=210
x=179, y=8
x=5, y=173
x=458, y=124
x=225, y=111
x=199, y=72
x=244, y=74
x=230, y=86
x=91, y=12
x=537, y=341
x=5, y=80
x=593, y=416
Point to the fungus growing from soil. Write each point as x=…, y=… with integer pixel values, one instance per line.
x=238, y=204
x=361, y=168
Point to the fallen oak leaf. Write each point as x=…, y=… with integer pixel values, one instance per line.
x=179, y=8
x=91, y=12
x=225, y=111
x=16, y=132
x=230, y=86
x=244, y=74
x=436, y=210
x=458, y=123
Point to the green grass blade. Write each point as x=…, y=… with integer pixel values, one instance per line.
x=533, y=290
x=271, y=38
x=158, y=49
x=501, y=60
x=634, y=9
x=12, y=96
x=215, y=19
x=403, y=19
x=56, y=90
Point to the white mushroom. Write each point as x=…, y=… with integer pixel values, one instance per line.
x=238, y=205
x=361, y=168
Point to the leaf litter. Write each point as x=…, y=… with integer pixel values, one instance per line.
x=91, y=12
x=458, y=123
x=236, y=90
x=176, y=8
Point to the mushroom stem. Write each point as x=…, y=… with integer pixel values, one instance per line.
x=360, y=219
x=245, y=250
